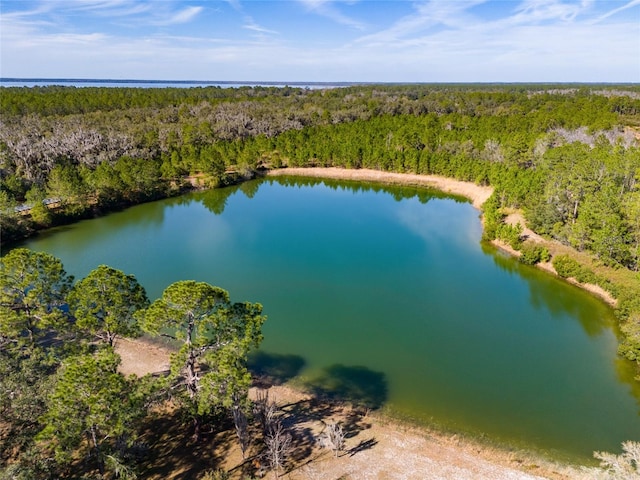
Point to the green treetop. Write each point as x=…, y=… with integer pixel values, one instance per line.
x=104, y=303
x=33, y=285
x=216, y=337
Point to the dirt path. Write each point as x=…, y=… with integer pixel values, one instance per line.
x=376, y=448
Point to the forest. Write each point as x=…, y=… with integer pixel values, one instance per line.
x=567, y=156
x=65, y=406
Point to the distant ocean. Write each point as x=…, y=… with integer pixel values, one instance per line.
x=74, y=82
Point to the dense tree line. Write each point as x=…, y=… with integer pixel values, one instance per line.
x=567, y=155
x=64, y=405
x=558, y=155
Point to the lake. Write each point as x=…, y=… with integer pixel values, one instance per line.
x=386, y=296
x=84, y=83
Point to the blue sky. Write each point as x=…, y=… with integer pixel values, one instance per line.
x=323, y=40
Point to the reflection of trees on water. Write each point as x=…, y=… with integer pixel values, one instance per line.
x=250, y=188
x=627, y=372
x=144, y=217
x=562, y=299
x=357, y=385
x=152, y=216
x=398, y=192
x=555, y=295
x=215, y=200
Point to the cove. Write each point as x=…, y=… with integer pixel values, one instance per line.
x=386, y=296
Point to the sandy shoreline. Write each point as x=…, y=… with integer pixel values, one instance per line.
x=394, y=451
x=476, y=193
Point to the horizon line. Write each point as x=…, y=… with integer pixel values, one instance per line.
x=294, y=83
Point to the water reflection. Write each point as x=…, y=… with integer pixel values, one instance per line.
x=398, y=192
x=148, y=217
x=555, y=295
x=250, y=188
x=452, y=226
x=215, y=200
x=559, y=298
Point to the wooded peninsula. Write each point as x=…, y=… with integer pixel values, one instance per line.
x=565, y=157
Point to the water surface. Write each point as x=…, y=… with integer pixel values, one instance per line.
x=387, y=296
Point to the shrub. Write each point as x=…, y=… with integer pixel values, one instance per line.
x=532, y=254
x=215, y=475
x=492, y=217
x=624, y=466
x=566, y=266
x=545, y=255
x=489, y=232
x=584, y=275
x=628, y=304
x=510, y=234
x=630, y=345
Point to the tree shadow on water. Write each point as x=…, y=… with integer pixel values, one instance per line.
x=274, y=368
x=357, y=385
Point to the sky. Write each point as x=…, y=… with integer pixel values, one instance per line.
x=322, y=40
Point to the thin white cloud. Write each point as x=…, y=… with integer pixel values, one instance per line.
x=125, y=10
x=28, y=13
x=249, y=22
x=89, y=4
x=425, y=16
x=189, y=40
x=532, y=11
x=328, y=9
x=439, y=41
x=251, y=25
x=55, y=14
x=74, y=39
x=632, y=3
x=183, y=16
x=235, y=4
x=97, y=7
x=58, y=41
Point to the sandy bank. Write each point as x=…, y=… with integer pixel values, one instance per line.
x=378, y=449
x=476, y=193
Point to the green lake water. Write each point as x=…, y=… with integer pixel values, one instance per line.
x=386, y=296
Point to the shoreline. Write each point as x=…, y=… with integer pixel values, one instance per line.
x=397, y=449
x=477, y=194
